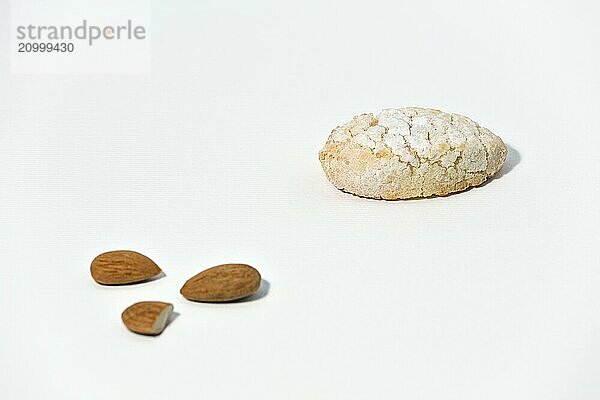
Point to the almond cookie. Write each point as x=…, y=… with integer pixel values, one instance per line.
x=410, y=152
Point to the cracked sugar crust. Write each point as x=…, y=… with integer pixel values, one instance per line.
x=410, y=152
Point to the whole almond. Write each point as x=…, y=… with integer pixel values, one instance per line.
x=121, y=267
x=222, y=283
x=147, y=317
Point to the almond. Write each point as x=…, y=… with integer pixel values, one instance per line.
x=222, y=283
x=121, y=267
x=147, y=317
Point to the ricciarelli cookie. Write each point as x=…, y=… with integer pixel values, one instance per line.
x=410, y=152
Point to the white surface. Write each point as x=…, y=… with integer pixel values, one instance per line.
x=489, y=294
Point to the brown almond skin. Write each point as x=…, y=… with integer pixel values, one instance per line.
x=142, y=317
x=122, y=267
x=226, y=282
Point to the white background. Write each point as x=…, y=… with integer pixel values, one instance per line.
x=489, y=294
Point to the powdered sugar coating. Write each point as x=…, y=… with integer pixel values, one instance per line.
x=410, y=152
